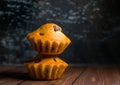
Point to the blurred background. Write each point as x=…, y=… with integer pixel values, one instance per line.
x=92, y=25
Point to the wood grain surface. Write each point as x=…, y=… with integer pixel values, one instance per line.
x=99, y=76
x=74, y=75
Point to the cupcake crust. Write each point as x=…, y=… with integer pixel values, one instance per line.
x=46, y=69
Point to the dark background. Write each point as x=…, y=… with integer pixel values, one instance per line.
x=92, y=25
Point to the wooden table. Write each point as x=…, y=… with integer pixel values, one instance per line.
x=74, y=75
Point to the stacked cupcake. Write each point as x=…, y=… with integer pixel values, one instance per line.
x=49, y=41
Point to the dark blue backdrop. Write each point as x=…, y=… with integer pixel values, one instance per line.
x=92, y=25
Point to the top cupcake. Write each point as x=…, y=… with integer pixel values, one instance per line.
x=48, y=39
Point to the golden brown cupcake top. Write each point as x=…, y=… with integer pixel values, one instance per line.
x=49, y=31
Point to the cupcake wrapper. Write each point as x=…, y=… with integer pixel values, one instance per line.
x=48, y=47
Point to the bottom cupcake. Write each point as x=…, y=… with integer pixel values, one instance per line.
x=48, y=68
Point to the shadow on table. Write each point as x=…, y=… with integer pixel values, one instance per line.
x=15, y=75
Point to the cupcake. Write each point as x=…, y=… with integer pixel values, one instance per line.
x=48, y=39
x=48, y=68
